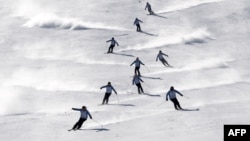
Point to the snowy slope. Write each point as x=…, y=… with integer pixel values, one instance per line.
x=53, y=58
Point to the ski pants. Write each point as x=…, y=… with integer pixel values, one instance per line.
x=150, y=11
x=139, y=88
x=79, y=123
x=137, y=71
x=106, y=98
x=111, y=47
x=164, y=62
x=138, y=27
x=176, y=104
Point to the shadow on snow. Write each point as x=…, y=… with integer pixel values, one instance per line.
x=149, y=77
x=123, y=54
x=96, y=129
x=155, y=95
x=197, y=109
x=122, y=104
x=150, y=34
x=157, y=15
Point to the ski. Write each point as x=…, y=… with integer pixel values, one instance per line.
x=197, y=109
x=151, y=14
x=102, y=104
x=108, y=53
x=169, y=66
x=71, y=130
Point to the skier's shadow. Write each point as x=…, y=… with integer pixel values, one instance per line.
x=154, y=95
x=148, y=77
x=157, y=15
x=122, y=34
x=150, y=34
x=123, y=54
x=97, y=129
x=122, y=104
x=169, y=12
x=197, y=109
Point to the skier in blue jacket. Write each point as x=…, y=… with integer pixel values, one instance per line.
x=137, y=23
x=172, y=96
x=149, y=8
x=161, y=58
x=112, y=45
x=137, y=63
x=137, y=81
x=109, y=89
x=84, y=116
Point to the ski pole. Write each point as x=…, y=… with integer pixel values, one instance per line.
x=186, y=96
x=160, y=104
x=118, y=101
x=97, y=123
x=146, y=84
x=107, y=44
x=147, y=68
x=67, y=111
x=129, y=88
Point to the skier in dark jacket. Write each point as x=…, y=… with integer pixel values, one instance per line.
x=112, y=45
x=149, y=8
x=84, y=116
x=109, y=89
x=161, y=58
x=137, y=63
x=137, y=23
x=137, y=81
x=172, y=96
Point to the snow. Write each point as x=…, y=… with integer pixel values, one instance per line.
x=53, y=58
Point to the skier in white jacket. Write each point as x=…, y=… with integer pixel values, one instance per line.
x=148, y=6
x=137, y=63
x=172, y=96
x=137, y=81
x=137, y=23
x=112, y=45
x=109, y=89
x=84, y=116
x=161, y=58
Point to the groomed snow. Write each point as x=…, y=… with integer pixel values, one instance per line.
x=52, y=58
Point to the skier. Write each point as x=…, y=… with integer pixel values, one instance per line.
x=137, y=63
x=172, y=95
x=137, y=23
x=137, y=81
x=161, y=58
x=84, y=116
x=109, y=89
x=112, y=45
x=149, y=8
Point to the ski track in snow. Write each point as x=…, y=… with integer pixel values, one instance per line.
x=52, y=21
x=130, y=106
x=192, y=36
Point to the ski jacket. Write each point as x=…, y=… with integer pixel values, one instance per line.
x=109, y=89
x=137, y=21
x=137, y=63
x=148, y=6
x=113, y=42
x=136, y=80
x=160, y=56
x=84, y=113
x=172, y=94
